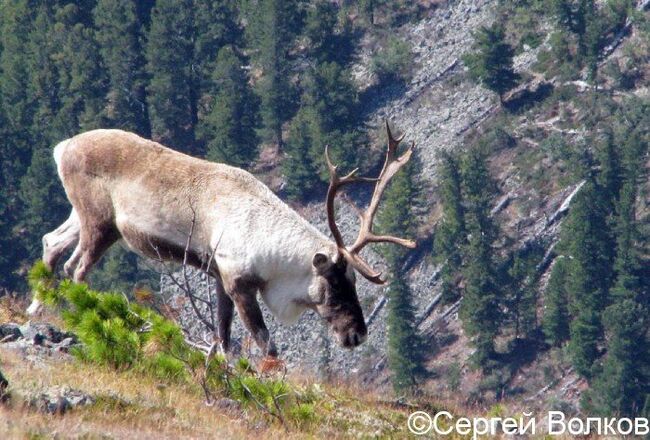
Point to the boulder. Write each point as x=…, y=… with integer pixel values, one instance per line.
x=39, y=332
x=10, y=332
x=59, y=401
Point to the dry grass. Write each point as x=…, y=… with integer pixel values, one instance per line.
x=128, y=406
x=12, y=309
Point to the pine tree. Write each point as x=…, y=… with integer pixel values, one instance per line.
x=609, y=177
x=521, y=301
x=275, y=25
x=16, y=21
x=480, y=309
x=330, y=105
x=405, y=347
x=229, y=127
x=329, y=41
x=319, y=28
x=628, y=255
x=590, y=274
x=582, y=19
x=216, y=26
x=81, y=77
x=43, y=87
x=591, y=41
x=119, y=35
x=118, y=271
x=624, y=383
x=332, y=97
x=7, y=214
x=298, y=169
x=451, y=235
x=622, y=387
x=171, y=93
x=182, y=44
x=491, y=61
x=41, y=194
x=367, y=10
x=555, y=323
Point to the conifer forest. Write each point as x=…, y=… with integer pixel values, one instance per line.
x=527, y=194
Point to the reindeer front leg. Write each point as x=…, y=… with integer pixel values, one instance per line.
x=244, y=295
x=225, y=309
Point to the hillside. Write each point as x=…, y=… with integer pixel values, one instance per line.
x=442, y=109
x=532, y=296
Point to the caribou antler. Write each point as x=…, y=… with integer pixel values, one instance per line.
x=392, y=164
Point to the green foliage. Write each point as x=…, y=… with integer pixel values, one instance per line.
x=592, y=27
x=480, y=309
x=182, y=44
x=622, y=386
x=590, y=246
x=123, y=335
x=393, y=62
x=171, y=90
x=451, y=235
x=298, y=168
x=521, y=301
x=406, y=351
x=117, y=271
x=329, y=115
x=229, y=126
x=273, y=29
x=556, y=314
x=329, y=40
x=490, y=61
x=175, y=72
x=119, y=37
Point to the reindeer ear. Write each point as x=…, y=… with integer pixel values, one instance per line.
x=321, y=263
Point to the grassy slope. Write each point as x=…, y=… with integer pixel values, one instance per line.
x=132, y=405
x=129, y=405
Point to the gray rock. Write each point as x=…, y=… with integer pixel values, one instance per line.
x=59, y=401
x=39, y=332
x=65, y=344
x=10, y=332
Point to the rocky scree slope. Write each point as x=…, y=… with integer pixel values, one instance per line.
x=436, y=108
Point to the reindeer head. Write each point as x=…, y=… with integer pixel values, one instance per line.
x=334, y=287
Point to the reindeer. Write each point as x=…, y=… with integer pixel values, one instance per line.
x=122, y=186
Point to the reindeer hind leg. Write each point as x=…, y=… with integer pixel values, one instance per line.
x=57, y=242
x=93, y=242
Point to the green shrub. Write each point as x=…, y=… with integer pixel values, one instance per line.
x=124, y=335
x=393, y=62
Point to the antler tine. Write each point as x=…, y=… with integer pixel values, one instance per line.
x=392, y=142
x=391, y=166
x=335, y=184
x=348, y=178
